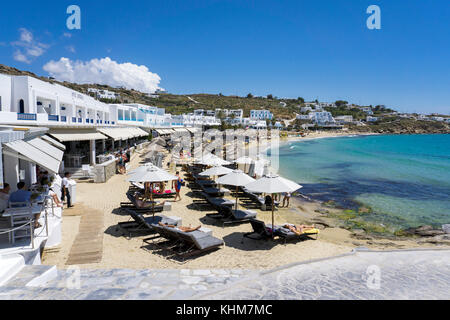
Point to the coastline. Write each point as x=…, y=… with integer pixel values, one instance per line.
x=311, y=211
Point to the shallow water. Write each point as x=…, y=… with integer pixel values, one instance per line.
x=404, y=179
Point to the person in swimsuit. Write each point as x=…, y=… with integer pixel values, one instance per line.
x=298, y=230
x=184, y=229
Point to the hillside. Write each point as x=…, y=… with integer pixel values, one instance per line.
x=178, y=104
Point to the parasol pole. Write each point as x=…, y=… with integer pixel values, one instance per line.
x=273, y=220
x=235, y=210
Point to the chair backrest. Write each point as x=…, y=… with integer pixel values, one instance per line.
x=259, y=226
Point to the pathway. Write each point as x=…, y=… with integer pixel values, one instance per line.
x=88, y=245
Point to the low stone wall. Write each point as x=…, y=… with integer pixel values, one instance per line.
x=103, y=172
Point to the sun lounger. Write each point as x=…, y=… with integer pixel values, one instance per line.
x=287, y=234
x=141, y=224
x=230, y=216
x=261, y=231
x=132, y=205
x=214, y=202
x=186, y=244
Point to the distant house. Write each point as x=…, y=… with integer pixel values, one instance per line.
x=306, y=109
x=322, y=118
x=344, y=119
x=371, y=119
x=367, y=110
x=304, y=116
x=261, y=115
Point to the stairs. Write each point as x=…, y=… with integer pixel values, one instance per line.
x=44, y=282
x=78, y=173
x=10, y=266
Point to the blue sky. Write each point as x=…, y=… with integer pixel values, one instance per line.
x=314, y=49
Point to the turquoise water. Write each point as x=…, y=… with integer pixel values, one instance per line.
x=404, y=179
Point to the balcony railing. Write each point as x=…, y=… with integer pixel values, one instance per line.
x=27, y=116
x=52, y=117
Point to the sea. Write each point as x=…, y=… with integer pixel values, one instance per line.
x=403, y=180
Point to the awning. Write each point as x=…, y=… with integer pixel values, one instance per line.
x=54, y=142
x=164, y=131
x=123, y=133
x=193, y=130
x=65, y=136
x=115, y=133
x=34, y=155
x=47, y=148
x=180, y=129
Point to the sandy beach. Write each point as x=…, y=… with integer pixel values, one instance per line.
x=120, y=252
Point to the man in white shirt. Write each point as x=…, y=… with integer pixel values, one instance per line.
x=65, y=189
x=4, y=197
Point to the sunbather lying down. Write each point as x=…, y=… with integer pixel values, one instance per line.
x=144, y=204
x=300, y=229
x=184, y=229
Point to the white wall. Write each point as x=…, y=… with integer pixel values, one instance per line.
x=5, y=92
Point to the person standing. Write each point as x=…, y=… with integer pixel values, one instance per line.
x=287, y=198
x=178, y=185
x=65, y=189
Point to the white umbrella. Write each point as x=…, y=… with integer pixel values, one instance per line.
x=244, y=160
x=152, y=175
x=273, y=184
x=213, y=160
x=236, y=178
x=155, y=147
x=216, y=171
x=143, y=168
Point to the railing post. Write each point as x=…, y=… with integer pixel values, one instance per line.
x=32, y=233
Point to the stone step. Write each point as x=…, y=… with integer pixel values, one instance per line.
x=33, y=276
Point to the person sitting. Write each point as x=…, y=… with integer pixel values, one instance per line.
x=268, y=201
x=144, y=204
x=55, y=198
x=4, y=197
x=298, y=230
x=184, y=229
x=21, y=196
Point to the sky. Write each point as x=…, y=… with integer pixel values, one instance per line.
x=315, y=49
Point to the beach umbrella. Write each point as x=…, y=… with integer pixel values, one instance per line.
x=160, y=141
x=143, y=168
x=216, y=171
x=213, y=160
x=155, y=148
x=273, y=184
x=152, y=175
x=236, y=178
x=244, y=160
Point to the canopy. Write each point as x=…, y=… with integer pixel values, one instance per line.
x=54, y=142
x=160, y=141
x=75, y=135
x=34, y=155
x=213, y=160
x=216, y=171
x=122, y=133
x=155, y=147
x=47, y=148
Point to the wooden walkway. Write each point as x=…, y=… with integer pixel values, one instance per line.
x=88, y=245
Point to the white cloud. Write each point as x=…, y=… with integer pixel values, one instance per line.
x=67, y=35
x=27, y=48
x=104, y=71
x=18, y=56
